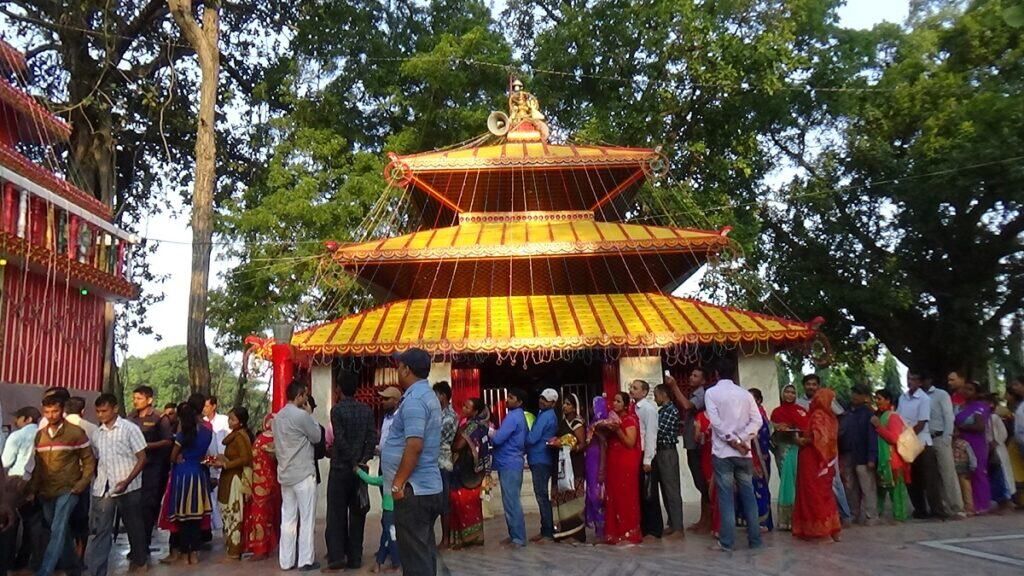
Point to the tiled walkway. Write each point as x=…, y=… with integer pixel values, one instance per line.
x=991, y=545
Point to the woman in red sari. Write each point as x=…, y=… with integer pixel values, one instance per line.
x=263, y=515
x=815, y=514
x=704, y=439
x=622, y=487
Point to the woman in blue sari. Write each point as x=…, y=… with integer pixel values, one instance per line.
x=761, y=452
x=190, y=481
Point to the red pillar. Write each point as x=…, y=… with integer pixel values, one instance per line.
x=73, y=224
x=284, y=370
x=10, y=208
x=37, y=221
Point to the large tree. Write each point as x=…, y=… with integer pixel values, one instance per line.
x=205, y=40
x=366, y=78
x=905, y=221
x=121, y=73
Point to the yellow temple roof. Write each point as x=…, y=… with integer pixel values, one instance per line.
x=506, y=155
x=516, y=323
x=530, y=234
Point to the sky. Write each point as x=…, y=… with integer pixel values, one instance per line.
x=174, y=252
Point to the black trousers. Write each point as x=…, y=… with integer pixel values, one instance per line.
x=190, y=536
x=697, y=473
x=8, y=538
x=154, y=481
x=345, y=519
x=926, y=485
x=415, y=517
x=30, y=550
x=651, y=521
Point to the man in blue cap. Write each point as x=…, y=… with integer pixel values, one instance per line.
x=409, y=460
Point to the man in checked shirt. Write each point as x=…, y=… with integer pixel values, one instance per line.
x=666, y=459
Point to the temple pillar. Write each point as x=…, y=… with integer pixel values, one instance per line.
x=284, y=370
x=321, y=384
x=760, y=371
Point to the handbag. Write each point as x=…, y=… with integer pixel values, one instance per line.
x=566, y=476
x=908, y=445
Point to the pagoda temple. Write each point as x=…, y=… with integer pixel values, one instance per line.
x=527, y=272
x=62, y=260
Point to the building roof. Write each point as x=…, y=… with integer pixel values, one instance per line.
x=545, y=323
x=527, y=176
x=12, y=159
x=59, y=268
x=528, y=234
x=507, y=155
x=35, y=123
x=529, y=253
x=11, y=59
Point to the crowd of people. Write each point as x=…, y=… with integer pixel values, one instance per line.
x=607, y=473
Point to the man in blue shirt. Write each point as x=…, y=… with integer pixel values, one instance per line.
x=542, y=462
x=858, y=457
x=409, y=460
x=509, y=443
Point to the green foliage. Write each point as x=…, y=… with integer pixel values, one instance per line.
x=905, y=221
x=166, y=371
x=891, y=375
x=119, y=71
x=396, y=83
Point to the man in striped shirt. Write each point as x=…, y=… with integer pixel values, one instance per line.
x=121, y=447
x=64, y=467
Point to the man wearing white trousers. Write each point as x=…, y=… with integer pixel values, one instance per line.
x=295, y=432
x=941, y=427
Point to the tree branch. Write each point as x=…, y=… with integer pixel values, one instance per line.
x=551, y=13
x=42, y=48
x=228, y=65
x=31, y=20
x=129, y=33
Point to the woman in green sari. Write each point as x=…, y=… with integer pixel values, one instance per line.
x=893, y=472
x=789, y=420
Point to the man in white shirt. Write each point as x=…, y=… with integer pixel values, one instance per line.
x=735, y=421
x=221, y=429
x=915, y=408
x=116, y=491
x=20, y=449
x=651, y=521
x=940, y=425
x=73, y=410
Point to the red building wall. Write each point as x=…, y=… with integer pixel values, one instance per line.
x=52, y=334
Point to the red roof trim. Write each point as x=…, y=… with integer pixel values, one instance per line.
x=14, y=160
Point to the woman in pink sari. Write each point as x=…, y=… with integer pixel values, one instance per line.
x=622, y=488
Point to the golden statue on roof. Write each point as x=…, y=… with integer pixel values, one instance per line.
x=522, y=105
x=524, y=122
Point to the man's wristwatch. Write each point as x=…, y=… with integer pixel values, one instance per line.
x=396, y=489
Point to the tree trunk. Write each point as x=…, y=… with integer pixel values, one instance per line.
x=204, y=39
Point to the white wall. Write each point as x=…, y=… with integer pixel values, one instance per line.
x=759, y=371
x=322, y=383
x=646, y=368
x=440, y=372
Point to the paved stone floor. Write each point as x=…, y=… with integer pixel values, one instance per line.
x=992, y=545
